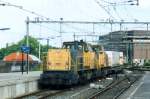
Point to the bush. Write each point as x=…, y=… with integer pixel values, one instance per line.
x=147, y=64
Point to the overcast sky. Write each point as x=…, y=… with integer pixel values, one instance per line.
x=83, y=10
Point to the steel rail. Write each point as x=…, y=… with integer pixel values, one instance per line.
x=107, y=88
x=52, y=94
x=41, y=94
x=27, y=95
x=125, y=89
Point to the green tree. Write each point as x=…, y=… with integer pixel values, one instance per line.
x=33, y=43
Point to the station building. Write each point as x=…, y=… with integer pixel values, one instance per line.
x=135, y=44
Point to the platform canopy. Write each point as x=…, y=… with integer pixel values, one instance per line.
x=18, y=56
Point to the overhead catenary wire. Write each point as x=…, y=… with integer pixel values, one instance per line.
x=125, y=2
x=41, y=16
x=129, y=14
x=116, y=3
x=91, y=16
x=103, y=7
x=115, y=10
x=64, y=32
x=34, y=13
x=84, y=31
x=49, y=28
x=23, y=9
x=52, y=29
x=107, y=2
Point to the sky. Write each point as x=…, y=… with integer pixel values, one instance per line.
x=74, y=10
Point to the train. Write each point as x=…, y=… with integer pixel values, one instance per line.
x=77, y=62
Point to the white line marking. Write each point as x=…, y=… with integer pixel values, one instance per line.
x=131, y=95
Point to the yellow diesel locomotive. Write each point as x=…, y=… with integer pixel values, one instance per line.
x=76, y=62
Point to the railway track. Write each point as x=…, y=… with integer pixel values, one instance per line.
x=41, y=94
x=82, y=92
x=112, y=90
x=70, y=93
x=115, y=89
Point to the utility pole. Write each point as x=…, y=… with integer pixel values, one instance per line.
x=39, y=37
x=27, y=43
x=27, y=31
x=147, y=26
x=111, y=27
x=48, y=43
x=74, y=36
x=93, y=32
x=137, y=2
x=39, y=51
x=61, y=19
x=120, y=26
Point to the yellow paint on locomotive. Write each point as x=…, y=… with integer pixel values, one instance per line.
x=88, y=60
x=102, y=60
x=59, y=59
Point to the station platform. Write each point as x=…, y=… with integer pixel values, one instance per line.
x=16, y=84
x=139, y=90
x=18, y=75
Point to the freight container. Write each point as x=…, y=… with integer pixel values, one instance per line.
x=114, y=58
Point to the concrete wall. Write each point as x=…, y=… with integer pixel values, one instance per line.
x=14, y=88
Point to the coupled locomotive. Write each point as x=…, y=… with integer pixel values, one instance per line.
x=76, y=62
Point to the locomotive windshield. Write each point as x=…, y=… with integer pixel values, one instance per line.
x=82, y=46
